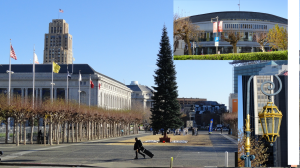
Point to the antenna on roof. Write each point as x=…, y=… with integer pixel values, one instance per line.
x=239, y=5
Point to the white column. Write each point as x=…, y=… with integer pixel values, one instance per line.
x=55, y=93
x=22, y=92
x=26, y=93
x=41, y=94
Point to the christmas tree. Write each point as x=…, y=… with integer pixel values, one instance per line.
x=166, y=109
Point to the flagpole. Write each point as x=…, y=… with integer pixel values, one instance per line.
x=79, y=88
x=9, y=74
x=52, y=81
x=33, y=78
x=90, y=92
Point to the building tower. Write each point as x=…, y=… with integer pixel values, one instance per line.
x=58, y=43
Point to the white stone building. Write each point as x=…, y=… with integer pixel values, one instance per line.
x=111, y=94
x=141, y=94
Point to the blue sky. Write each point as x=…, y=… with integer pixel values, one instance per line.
x=197, y=7
x=117, y=38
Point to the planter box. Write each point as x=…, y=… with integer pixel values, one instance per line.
x=165, y=139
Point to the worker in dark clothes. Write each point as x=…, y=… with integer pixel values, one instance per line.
x=137, y=147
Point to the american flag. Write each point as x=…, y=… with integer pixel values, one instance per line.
x=99, y=86
x=61, y=11
x=286, y=73
x=12, y=53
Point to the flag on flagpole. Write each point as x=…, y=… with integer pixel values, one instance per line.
x=69, y=76
x=61, y=11
x=12, y=53
x=92, y=84
x=36, y=59
x=80, y=77
x=286, y=73
x=99, y=86
x=56, y=67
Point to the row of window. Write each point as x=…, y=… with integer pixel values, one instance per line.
x=245, y=26
x=53, y=30
x=57, y=37
x=210, y=36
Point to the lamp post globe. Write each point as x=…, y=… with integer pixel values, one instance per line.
x=270, y=118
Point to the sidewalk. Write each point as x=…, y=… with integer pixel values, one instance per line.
x=233, y=139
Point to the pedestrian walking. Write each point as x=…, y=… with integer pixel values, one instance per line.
x=137, y=147
x=40, y=137
x=122, y=131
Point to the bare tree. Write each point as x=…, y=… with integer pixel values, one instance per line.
x=184, y=29
x=262, y=40
x=233, y=38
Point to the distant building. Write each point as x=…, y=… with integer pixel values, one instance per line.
x=188, y=101
x=141, y=94
x=233, y=103
x=108, y=93
x=209, y=106
x=257, y=67
x=58, y=43
x=249, y=24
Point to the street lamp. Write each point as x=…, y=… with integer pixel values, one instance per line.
x=248, y=157
x=270, y=117
x=217, y=29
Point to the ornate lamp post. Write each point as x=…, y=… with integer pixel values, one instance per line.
x=270, y=117
x=248, y=157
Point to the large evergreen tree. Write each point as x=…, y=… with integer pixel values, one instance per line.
x=166, y=109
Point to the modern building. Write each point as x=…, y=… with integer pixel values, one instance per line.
x=278, y=152
x=188, y=101
x=257, y=67
x=209, y=106
x=58, y=43
x=141, y=94
x=108, y=93
x=233, y=103
x=248, y=24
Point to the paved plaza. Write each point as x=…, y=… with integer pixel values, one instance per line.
x=99, y=153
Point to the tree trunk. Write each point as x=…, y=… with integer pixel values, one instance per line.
x=99, y=130
x=38, y=119
x=57, y=133
x=63, y=125
x=32, y=128
x=50, y=132
x=17, y=137
x=6, y=131
x=14, y=131
x=165, y=134
x=262, y=48
x=68, y=132
x=77, y=131
x=45, y=135
x=21, y=138
x=234, y=48
x=72, y=132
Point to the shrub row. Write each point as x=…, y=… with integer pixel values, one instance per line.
x=274, y=55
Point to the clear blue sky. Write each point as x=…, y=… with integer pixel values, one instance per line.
x=197, y=7
x=117, y=38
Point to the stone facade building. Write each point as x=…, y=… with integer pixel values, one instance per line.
x=107, y=93
x=58, y=43
x=141, y=94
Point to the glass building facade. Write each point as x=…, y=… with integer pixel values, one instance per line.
x=251, y=69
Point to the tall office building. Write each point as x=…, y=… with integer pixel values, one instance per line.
x=58, y=43
x=243, y=67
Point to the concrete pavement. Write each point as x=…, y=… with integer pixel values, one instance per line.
x=98, y=153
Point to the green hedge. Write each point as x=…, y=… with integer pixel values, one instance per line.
x=274, y=55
